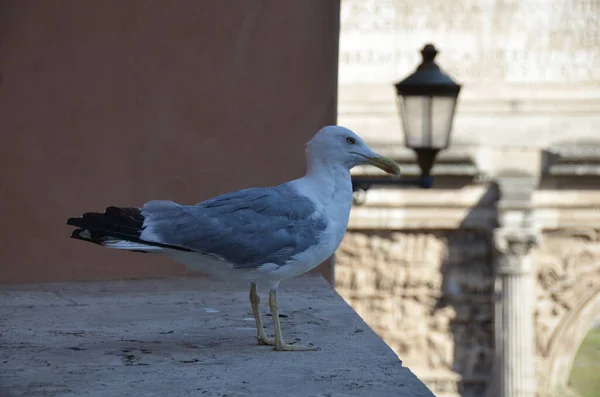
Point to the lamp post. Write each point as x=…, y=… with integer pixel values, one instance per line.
x=427, y=103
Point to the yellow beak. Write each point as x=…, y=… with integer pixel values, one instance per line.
x=386, y=164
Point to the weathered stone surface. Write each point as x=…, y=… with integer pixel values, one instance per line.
x=567, y=300
x=550, y=40
x=187, y=337
x=429, y=296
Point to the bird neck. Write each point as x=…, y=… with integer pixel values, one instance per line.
x=330, y=184
x=325, y=174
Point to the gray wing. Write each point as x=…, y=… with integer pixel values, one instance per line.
x=246, y=228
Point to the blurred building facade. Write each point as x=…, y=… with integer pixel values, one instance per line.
x=486, y=284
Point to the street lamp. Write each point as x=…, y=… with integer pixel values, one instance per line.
x=427, y=102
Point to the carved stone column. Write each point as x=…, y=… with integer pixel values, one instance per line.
x=514, y=317
x=515, y=376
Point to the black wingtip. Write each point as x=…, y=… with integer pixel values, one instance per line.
x=74, y=221
x=115, y=223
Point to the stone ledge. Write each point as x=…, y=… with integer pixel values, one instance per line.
x=373, y=218
x=188, y=336
x=574, y=159
x=472, y=207
x=388, y=209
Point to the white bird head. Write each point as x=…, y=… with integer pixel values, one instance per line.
x=338, y=145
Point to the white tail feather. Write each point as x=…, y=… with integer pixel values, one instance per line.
x=131, y=246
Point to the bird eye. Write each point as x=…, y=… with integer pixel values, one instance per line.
x=351, y=140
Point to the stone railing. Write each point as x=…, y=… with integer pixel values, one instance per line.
x=188, y=337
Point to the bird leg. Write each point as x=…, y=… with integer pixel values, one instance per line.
x=279, y=342
x=261, y=336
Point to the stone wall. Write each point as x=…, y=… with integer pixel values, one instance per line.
x=530, y=69
x=429, y=296
x=567, y=302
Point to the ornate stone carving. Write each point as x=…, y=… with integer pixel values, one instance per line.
x=513, y=246
x=429, y=296
x=567, y=271
x=567, y=301
x=515, y=242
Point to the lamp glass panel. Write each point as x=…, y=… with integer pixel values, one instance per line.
x=427, y=120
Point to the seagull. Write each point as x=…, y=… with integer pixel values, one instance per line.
x=259, y=235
